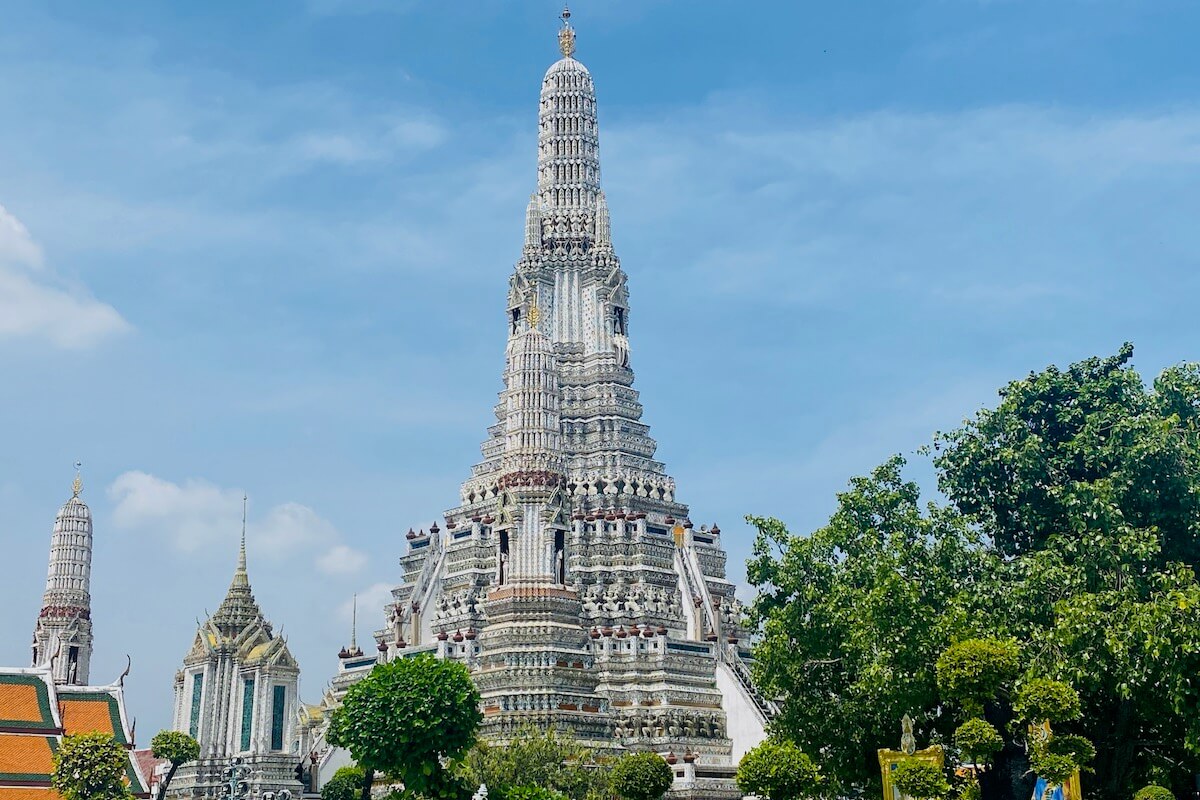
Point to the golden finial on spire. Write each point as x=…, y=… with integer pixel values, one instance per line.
x=77, y=485
x=566, y=35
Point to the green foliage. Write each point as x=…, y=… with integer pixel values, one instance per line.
x=920, y=780
x=777, y=770
x=532, y=793
x=968, y=789
x=1153, y=792
x=174, y=746
x=972, y=672
x=641, y=776
x=978, y=741
x=537, y=758
x=853, y=618
x=405, y=717
x=346, y=784
x=1073, y=528
x=1076, y=747
x=1042, y=700
x=90, y=766
x=1056, y=768
x=177, y=748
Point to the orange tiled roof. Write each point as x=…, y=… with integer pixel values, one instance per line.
x=27, y=793
x=91, y=712
x=25, y=758
x=24, y=702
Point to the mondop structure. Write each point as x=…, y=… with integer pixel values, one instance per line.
x=570, y=579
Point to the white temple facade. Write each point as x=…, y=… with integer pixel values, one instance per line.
x=236, y=694
x=62, y=635
x=569, y=577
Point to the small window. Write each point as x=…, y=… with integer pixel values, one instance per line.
x=247, y=711
x=277, y=706
x=197, y=691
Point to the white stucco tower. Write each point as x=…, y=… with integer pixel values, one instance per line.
x=62, y=636
x=236, y=695
x=569, y=578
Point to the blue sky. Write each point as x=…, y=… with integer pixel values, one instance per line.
x=264, y=248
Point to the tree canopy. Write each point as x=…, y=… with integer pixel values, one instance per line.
x=532, y=757
x=90, y=766
x=777, y=770
x=346, y=784
x=405, y=717
x=1070, y=526
x=641, y=776
x=177, y=748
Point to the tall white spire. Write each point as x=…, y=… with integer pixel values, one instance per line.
x=568, y=135
x=570, y=273
x=63, y=632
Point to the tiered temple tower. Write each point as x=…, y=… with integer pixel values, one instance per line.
x=62, y=636
x=569, y=578
x=237, y=695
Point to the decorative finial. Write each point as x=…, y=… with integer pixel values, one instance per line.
x=566, y=36
x=77, y=485
x=535, y=314
x=354, y=623
x=242, y=551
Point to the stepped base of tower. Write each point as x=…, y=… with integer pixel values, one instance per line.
x=203, y=778
x=640, y=652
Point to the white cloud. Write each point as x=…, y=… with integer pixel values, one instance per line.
x=35, y=304
x=418, y=134
x=341, y=560
x=196, y=514
x=17, y=247
x=371, y=601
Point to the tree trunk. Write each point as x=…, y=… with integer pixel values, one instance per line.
x=162, y=787
x=1007, y=779
x=368, y=779
x=1116, y=783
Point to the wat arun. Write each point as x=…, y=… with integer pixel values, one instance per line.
x=570, y=578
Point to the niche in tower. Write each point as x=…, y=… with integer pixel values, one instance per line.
x=516, y=318
x=618, y=320
x=503, y=573
x=560, y=557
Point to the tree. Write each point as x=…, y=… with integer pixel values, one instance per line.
x=776, y=770
x=90, y=766
x=405, y=718
x=532, y=793
x=853, y=618
x=641, y=776
x=1153, y=792
x=346, y=784
x=1086, y=483
x=1072, y=527
x=919, y=780
x=536, y=758
x=176, y=748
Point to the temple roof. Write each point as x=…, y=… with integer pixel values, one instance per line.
x=35, y=714
x=239, y=625
x=239, y=608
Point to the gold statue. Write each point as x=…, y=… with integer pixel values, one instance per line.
x=535, y=314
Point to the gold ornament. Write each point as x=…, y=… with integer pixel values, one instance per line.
x=566, y=36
